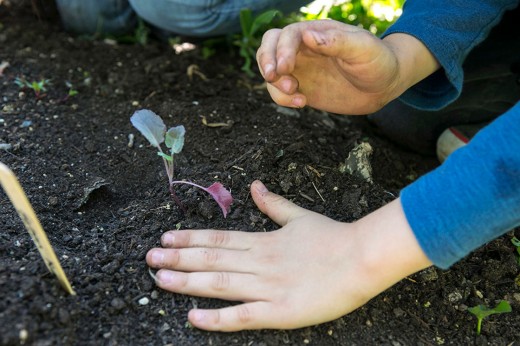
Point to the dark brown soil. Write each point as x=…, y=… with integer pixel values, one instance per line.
x=104, y=204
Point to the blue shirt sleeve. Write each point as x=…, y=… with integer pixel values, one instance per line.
x=472, y=198
x=450, y=30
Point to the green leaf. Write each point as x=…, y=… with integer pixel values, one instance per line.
x=246, y=21
x=150, y=125
x=263, y=19
x=165, y=156
x=175, y=139
x=482, y=311
x=515, y=241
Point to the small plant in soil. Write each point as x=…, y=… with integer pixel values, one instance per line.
x=482, y=311
x=37, y=87
x=154, y=130
x=251, y=36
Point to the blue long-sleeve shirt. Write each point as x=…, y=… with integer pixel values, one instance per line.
x=474, y=196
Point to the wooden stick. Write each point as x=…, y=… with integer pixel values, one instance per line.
x=23, y=207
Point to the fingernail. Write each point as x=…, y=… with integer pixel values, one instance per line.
x=198, y=315
x=168, y=239
x=165, y=276
x=157, y=257
x=261, y=188
x=268, y=69
x=298, y=102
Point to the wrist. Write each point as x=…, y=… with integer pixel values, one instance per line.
x=390, y=250
x=414, y=59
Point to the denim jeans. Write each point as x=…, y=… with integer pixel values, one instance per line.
x=195, y=18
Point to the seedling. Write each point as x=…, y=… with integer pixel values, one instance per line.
x=251, y=35
x=37, y=87
x=72, y=91
x=154, y=130
x=482, y=311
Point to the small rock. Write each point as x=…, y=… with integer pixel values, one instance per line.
x=144, y=301
x=454, y=297
x=53, y=201
x=165, y=327
x=358, y=162
x=429, y=274
x=23, y=335
x=5, y=146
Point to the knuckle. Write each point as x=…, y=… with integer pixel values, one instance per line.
x=211, y=257
x=244, y=314
x=219, y=238
x=220, y=281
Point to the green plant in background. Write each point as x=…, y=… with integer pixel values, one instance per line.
x=252, y=30
x=140, y=35
x=482, y=311
x=372, y=15
x=37, y=87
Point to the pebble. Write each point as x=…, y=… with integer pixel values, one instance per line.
x=429, y=274
x=144, y=301
x=454, y=297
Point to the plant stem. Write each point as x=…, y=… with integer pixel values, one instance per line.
x=176, y=199
x=479, y=325
x=189, y=183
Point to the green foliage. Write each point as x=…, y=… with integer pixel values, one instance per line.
x=37, y=86
x=372, y=15
x=140, y=36
x=482, y=311
x=72, y=91
x=252, y=30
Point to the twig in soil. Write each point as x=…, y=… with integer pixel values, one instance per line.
x=319, y=194
x=306, y=197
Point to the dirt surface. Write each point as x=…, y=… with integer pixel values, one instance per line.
x=104, y=204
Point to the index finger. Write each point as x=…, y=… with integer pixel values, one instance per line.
x=266, y=55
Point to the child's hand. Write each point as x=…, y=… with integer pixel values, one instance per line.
x=312, y=270
x=340, y=68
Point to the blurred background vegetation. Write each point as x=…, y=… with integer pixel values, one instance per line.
x=372, y=15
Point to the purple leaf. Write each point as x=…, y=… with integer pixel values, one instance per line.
x=217, y=191
x=221, y=196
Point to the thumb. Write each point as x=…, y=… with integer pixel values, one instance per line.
x=279, y=209
x=346, y=44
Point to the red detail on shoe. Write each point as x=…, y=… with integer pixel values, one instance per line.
x=459, y=135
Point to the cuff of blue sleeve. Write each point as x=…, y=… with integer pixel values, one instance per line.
x=442, y=87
